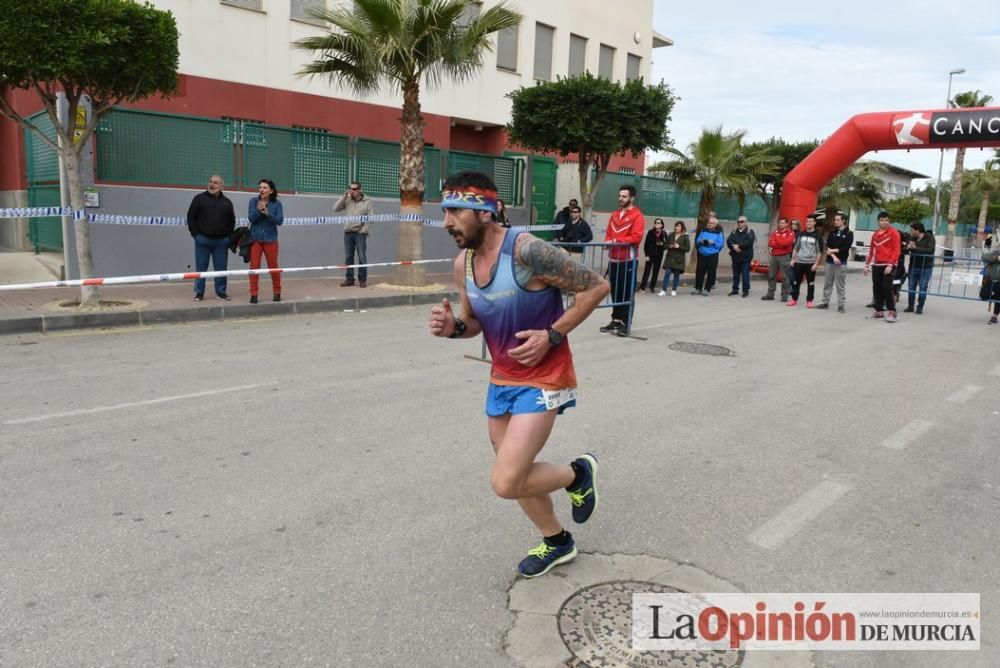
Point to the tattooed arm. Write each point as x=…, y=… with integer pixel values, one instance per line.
x=552, y=266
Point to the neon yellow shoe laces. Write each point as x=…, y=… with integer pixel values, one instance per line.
x=578, y=498
x=541, y=551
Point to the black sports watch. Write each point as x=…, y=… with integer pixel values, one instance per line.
x=555, y=336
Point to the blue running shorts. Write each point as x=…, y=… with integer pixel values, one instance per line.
x=517, y=399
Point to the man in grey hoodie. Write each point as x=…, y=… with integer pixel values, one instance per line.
x=354, y=203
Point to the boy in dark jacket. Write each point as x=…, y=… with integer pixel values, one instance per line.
x=921, y=247
x=838, y=251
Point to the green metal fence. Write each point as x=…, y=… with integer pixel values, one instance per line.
x=165, y=149
x=148, y=147
x=301, y=160
x=377, y=168
x=43, y=184
x=664, y=198
x=504, y=171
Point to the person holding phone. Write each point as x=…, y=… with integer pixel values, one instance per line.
x=354, y=203
x=265, y=214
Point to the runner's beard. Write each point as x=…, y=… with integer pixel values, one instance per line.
x=473, y=240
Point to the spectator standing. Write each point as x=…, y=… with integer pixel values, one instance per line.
x=564, y=216
x=265, y=214
x=839, y=244
x=653, y=248
x=354, y=203
x=625, y=226
x=882, y=258
x=780, y=243
x=211, y=219
x=921, y=247
x=990, y=289
x=576, y=231
x=678, y=247
x=501, y=215
x=741, y=243
x=709, y=243
x=806, y=257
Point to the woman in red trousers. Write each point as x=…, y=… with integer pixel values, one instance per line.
x=265, y=215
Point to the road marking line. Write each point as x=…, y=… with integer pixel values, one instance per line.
x=133, y=404
x=797, y=514
x=910, y=432
x=964, y=394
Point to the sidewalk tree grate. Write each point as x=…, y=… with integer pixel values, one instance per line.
x=701, y=349
x=595, y=624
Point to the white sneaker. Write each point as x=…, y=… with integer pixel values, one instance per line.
x=661, y=293
x=673, y=293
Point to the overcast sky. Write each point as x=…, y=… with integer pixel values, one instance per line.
x=798, y=70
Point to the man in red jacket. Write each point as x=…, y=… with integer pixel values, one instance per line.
x=780, y=242
x=626, y=226
x=882, y=258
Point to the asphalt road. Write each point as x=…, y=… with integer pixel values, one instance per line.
x=313, y=490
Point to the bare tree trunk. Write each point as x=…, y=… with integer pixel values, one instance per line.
x=88, y=293
x=586, y=193
x=981, y=224
x=411, y=189
x=956, y=196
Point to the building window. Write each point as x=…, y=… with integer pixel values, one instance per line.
x=577, y=55
x=470, y=13
x=544, y=36
x=245, y=4
x=301, y=8
x=507, y=49
x=606, y=62
x=633, y=67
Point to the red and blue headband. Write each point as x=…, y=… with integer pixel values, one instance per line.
x=470, y=197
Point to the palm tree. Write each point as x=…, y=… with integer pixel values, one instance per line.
x=393, y=45
x=985, y=181
x=856, y=187
x=965, y=100
x=717, y=163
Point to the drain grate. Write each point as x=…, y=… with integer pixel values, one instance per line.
x=595, y=624
x=701, y=349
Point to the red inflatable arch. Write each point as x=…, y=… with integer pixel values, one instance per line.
x=939, y=128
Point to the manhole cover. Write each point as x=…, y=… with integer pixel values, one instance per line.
x=701, y=349
x=596, y=626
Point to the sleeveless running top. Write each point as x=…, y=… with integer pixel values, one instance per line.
x=503, y=307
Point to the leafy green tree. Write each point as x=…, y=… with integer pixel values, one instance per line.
x=594, y=118
x=112, y=51
x=907, y=210
x=789, y=155
x=718, y=163
x=964, y=100
x=856, y=187
x=395, y=45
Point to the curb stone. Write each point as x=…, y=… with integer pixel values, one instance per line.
x=42, y=323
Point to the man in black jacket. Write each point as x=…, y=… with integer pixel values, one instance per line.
x=741, y=242
x=921, y=247
x=211, y=219
x=565, y=215
x=576, y=230
x=839, y=245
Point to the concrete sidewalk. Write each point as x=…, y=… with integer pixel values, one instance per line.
x=39, y=310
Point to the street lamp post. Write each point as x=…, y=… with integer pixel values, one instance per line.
x=937, y=191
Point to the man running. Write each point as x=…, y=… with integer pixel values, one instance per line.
x=510, y=285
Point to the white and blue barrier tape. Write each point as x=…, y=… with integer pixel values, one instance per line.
x=179, y=221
